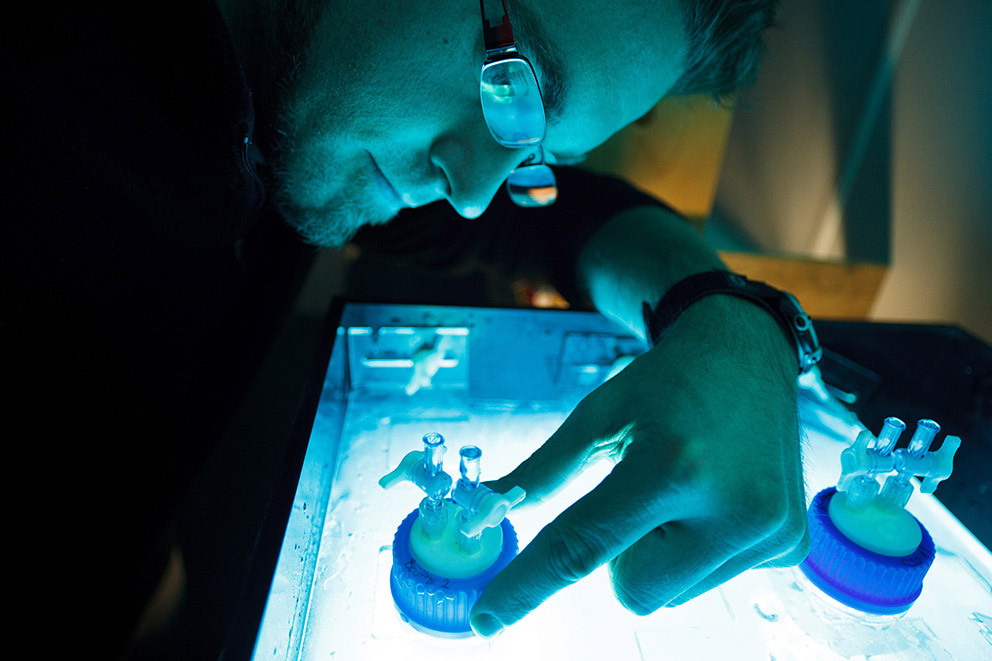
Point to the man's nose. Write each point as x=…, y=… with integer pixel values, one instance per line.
x=475, y=170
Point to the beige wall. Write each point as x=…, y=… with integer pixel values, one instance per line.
x=941, y=268
x=842, y=156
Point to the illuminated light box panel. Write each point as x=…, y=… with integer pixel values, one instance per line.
x=507, y=379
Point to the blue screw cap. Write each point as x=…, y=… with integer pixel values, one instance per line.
x=859, y=578
x=436, y=604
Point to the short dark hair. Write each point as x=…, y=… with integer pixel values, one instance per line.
x=724, y=44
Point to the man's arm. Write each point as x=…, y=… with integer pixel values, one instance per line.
x=703, y=431
x=637, y=256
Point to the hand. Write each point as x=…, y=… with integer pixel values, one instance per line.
x=707, y=481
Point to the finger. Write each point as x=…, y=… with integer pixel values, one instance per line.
x=626, y=505
x=787, y=543
x=791, y=557
x=784, y=551
x=664, y=563
x=728, y=570
x=563, y=456
x=689, y=556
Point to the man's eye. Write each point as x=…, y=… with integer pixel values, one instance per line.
x=499, y=93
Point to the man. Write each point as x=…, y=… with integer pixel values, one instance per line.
x=147, y=271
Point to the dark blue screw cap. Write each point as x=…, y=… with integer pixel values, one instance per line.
x=436, y=604
x=859, y=578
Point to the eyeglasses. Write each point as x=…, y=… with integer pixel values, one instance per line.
x=514, y=111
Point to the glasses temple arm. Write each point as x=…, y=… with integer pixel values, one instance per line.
x=496, y=36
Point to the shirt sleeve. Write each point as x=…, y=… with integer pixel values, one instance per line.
x=539, y=244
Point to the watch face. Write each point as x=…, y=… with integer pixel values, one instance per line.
x=801, y=328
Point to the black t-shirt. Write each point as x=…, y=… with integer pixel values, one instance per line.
x=143, y=273
x=540, y=245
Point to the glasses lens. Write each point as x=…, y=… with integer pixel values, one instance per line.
x=532, y=186
x=511, y=103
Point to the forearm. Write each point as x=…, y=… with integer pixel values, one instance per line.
x=638, y=255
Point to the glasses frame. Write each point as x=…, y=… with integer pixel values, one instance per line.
x=500, y=46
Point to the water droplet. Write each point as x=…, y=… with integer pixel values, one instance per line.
x=771, y=617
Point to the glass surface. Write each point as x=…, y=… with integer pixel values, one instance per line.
x=505, y=389
x=511, y=103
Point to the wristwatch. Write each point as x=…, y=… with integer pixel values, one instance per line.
x=782, y=305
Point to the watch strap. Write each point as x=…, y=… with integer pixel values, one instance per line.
x=783, y=306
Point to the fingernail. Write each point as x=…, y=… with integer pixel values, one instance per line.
x=486, y=625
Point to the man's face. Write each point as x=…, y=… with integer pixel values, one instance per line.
x=385, y=111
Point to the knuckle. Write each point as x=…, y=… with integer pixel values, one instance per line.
x=793, y=535
x=635, y=589
x=636, y=604
x=682, y=460
x=688, y=467
x=801, y=549
x=573, y=554
x=515, y=606
x=796, y=529
x=767, y=510
x=792, y=550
